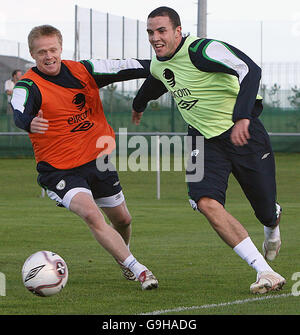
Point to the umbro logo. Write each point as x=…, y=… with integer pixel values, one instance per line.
x=118, y=196
x=83, y=126
x=33, y=272
x=187, y=104
x=265, y=155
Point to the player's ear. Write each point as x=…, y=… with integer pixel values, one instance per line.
x=178, y=31
x=31, y=54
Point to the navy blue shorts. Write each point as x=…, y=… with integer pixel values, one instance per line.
x=252, y=165
x=62, y=185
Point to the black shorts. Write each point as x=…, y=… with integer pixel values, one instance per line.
x=62, y=185
x=252, y=165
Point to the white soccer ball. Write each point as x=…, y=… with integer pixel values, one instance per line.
x=45, y=273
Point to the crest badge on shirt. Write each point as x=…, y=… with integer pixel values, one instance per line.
x=170, y=76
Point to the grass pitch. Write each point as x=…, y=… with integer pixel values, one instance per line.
x=198, y=274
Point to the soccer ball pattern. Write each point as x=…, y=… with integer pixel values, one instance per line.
x=45, y=273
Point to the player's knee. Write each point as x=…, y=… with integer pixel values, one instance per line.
x=123, y=221
x=207, y=205
x=267, y=219
x=268, y=222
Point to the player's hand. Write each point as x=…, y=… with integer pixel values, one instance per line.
x=136, y=117
x=240, y=132
x=38, y=124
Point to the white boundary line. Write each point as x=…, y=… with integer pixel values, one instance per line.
x=222, y=304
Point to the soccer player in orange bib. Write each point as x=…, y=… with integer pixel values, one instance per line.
x=57, y=102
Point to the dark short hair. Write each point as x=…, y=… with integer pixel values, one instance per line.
x=15, y=72
x=167, y=11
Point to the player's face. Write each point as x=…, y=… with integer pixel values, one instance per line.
x=18, y=76
x=163, y=37
x=47, y=54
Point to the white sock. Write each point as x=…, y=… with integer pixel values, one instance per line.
x=272, y=233
x=248, y=252
x=133, y=265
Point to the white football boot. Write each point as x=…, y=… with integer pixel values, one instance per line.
x=148, y=280
x=267, y=281
x=271, y=246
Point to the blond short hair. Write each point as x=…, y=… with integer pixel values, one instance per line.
x=44, y=30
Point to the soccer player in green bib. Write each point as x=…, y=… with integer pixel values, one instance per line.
x=215, y=88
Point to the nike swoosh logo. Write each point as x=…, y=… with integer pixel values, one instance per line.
x=195, y=48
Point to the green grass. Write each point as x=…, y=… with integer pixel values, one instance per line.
x=192, y=263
